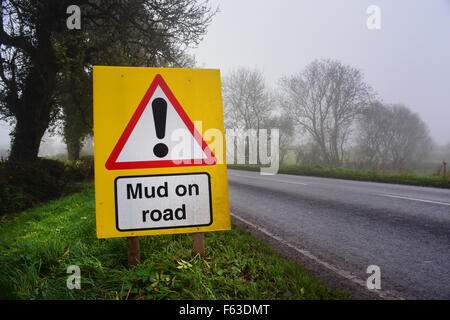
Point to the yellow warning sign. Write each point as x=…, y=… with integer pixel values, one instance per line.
x=159, y=146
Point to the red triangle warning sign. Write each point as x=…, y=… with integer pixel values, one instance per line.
x=159, y=134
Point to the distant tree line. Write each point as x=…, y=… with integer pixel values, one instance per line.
x=329, y=116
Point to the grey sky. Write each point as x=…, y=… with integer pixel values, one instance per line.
x=407, y=61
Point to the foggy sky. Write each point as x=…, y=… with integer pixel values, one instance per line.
x=407, y=61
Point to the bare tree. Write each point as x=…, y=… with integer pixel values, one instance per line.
x=410, y=137
x=324, y=100
x=246, y=98
x=373, y=138
x=247, y=105
x=392, y=137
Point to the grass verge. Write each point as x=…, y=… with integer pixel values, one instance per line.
x=38, y=245
x=353, y=174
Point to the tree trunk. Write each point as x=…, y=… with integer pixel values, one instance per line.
x=27, y=136
x=73, y=150
x=34, y=108
x=32, y=119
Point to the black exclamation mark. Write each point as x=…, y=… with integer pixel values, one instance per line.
x=159, y=107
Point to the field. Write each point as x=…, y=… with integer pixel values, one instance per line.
x=38, y=245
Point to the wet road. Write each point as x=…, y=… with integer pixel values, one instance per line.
x=349, y=225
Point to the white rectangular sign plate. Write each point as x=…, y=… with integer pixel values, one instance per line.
x=163, y=201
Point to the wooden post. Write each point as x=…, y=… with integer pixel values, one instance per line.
x=134, y=253
x=199, y=242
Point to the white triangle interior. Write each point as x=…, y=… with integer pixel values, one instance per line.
x=140, y=143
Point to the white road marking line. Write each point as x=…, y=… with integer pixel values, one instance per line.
x=343, y=273
x=415, y=199
x=275, y=180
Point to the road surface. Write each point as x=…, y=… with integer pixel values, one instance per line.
x=344, y=226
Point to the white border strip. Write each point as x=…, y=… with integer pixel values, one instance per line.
x=415, y=199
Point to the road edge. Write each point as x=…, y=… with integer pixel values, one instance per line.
x=321, y=270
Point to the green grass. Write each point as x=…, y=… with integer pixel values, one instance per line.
x=37, y=246
x=361, y=175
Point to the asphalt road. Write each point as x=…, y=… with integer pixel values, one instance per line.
x=344, y=226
